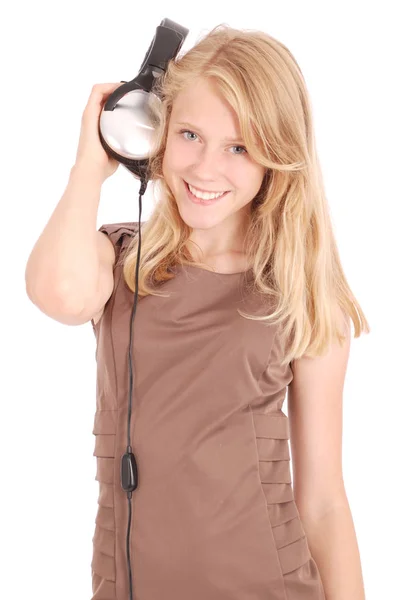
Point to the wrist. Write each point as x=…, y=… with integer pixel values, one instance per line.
x=88, y=171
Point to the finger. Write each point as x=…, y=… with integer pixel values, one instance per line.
x=105, y=88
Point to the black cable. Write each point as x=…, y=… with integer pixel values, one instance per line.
x=129, y=469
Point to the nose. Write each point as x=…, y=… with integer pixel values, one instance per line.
x=208, y=168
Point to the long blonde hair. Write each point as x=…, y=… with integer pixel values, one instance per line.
x=290, y=241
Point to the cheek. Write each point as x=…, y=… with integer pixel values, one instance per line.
x=247, y=183
x=169, y=159
x=177, y=158
x=256, y=177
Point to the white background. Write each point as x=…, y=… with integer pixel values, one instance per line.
x=52, y=54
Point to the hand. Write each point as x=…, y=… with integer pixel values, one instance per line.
x=90, y=153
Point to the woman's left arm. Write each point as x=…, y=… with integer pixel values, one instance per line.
x=315, y=416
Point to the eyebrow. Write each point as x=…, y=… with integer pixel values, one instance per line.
x=226, y=139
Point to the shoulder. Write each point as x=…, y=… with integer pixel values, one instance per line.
x=117, y=231
x=120, y=236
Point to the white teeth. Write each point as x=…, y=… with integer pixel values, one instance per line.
x=205, y=195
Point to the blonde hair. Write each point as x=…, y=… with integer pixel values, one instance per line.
x=290, y=241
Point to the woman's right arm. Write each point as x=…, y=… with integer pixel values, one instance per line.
x=69, y=272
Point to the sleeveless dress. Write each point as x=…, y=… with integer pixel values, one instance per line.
x=214, y=516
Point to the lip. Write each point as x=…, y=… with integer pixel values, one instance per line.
x=196, y=200
x=201, y=189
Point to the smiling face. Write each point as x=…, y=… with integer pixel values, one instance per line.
x=204, y=148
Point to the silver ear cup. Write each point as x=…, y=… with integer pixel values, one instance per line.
x=129, y=129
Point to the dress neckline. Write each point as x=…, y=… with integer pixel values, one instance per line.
x=248, y=271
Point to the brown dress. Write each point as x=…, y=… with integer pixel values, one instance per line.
x=214, y=516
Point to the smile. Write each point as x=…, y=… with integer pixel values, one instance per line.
x=195, y=190
x=204, y=198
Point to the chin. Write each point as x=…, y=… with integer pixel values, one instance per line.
x=200, y=221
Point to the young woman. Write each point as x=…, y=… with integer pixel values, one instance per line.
x=242, y=297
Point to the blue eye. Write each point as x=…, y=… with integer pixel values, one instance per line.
x=187, y=131
x=191, y=132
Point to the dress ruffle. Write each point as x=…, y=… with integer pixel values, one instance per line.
x=301, y=576
x=103, y=559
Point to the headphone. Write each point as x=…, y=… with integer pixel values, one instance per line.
x=126, y=131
